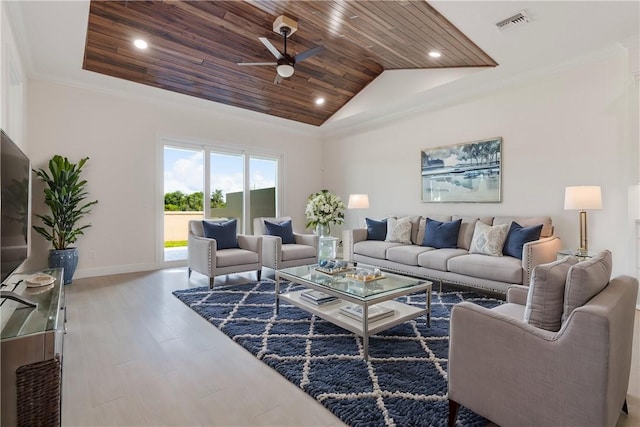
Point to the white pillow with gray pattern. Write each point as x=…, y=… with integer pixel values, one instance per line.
x=399, y=230
x=488, y=240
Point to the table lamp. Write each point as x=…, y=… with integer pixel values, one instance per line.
x=358, y=201
x=582, y=198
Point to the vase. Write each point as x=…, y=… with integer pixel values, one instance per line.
x=64, y=258
x=323, y=230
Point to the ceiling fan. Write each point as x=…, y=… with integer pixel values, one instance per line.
x=284, y=62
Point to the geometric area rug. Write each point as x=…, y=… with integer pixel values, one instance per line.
x=404, y=382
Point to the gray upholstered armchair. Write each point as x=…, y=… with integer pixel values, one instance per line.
x=276, y=254
x=205, y=257
x=517, y=374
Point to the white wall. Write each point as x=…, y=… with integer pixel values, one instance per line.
x=120, y=135
x=12, y=82
x=569, y=128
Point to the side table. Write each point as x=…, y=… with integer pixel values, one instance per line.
x=32, y=351
x=569, y=252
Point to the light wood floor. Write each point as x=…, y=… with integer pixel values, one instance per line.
x=136, y=356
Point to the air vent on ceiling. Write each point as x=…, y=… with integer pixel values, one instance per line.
x=514, y=21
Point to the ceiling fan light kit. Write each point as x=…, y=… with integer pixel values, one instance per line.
x=285, y=70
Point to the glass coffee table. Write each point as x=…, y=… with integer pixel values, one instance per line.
x=362, y=307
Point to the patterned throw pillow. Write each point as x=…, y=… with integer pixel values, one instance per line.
x=487, y=239
x=399, y=230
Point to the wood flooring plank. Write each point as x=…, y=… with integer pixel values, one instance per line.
x=137, y=356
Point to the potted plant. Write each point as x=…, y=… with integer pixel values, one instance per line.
x=322, y=210
x=65, y=195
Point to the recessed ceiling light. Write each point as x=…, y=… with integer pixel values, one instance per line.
x=319, y=101
x=140, y=44
x=435, y=54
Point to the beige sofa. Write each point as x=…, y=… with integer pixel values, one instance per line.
x=514, y=373
x=456, y=266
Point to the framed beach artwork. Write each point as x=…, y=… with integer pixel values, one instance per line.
x=469, y=172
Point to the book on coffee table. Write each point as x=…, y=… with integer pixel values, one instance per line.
x=317, y=297
x=375, y=312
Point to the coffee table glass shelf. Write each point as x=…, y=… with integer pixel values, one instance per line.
x=365, y=297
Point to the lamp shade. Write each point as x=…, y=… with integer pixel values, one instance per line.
x=583, y=197
x=358, y=201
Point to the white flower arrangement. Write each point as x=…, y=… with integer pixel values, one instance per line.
x=324, y=208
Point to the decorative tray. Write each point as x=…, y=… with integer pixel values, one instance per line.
x=365, y=275
x=364, y=278
x=333, y=266
x=332, y=271
x=39, y=279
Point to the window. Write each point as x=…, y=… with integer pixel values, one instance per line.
x=205, y=181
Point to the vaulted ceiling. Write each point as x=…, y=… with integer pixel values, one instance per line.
x=195, y=47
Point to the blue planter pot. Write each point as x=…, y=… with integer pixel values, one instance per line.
x=64, y=258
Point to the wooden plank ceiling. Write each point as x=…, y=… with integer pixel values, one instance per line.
x=194, y=48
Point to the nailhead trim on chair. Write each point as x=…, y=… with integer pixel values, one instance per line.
x=209, y=249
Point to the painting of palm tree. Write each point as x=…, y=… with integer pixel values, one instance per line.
x=469, y=172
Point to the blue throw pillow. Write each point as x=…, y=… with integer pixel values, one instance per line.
x=283, y=229
x=224, y=233
x=376, y=230
x=518, y=236
x=441, y=235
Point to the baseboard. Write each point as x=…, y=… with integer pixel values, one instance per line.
x=119, y=269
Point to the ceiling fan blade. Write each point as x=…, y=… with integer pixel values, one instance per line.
x=257, y=63
x=278, y=79
x=275, y=52
x=307, y=53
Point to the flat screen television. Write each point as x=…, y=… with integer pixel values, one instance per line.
x=15, y=206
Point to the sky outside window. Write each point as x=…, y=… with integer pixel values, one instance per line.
x=184, y=171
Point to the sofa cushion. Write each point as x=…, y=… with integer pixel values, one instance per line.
x=467, y=227
x=488, y=240
x=196, y=226
x=373, y=248
x=399, y=230
x=292, y=252
x=415, y=226
x=224, y=233
x=376, y=230
x=441, y=235
x=585, y=280
x=501, y=269
x=232, y=257
x=437, y=260
x=528, y=221
x=422, y=225
x=518, y=236
x=260, y=229
x=546, y=294
x=406, y=254
x=282, y=229
x=515, y=311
